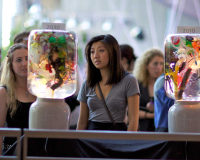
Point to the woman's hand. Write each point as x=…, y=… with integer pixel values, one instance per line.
x=150, y=106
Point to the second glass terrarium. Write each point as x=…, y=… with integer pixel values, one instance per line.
x=182, y=81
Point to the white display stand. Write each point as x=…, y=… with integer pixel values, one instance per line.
x=49, y=114
x=184, y=116
x=52, y=76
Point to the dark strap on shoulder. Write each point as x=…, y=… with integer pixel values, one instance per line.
x=104, y=103
x=4, y=87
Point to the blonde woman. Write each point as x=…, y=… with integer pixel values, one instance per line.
x=148, y=67
x=14, y=96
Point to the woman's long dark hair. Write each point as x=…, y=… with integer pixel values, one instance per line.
x=116, y=71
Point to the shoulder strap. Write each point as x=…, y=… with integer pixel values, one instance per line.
x=104, y=103
x=4, y=86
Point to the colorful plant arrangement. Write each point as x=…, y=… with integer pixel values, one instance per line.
x=182, y=63
x=52, y=58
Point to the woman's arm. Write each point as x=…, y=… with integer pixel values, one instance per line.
x=133, y=112
x=145, y=115
x=83, y=117
x=3, y=112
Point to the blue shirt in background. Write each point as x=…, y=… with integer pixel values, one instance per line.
x=162, y=103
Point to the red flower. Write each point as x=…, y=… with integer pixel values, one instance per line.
x=48, y=67
x=175, y=40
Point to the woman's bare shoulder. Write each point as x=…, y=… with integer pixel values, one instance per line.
x=3, y=92
x=3, y=100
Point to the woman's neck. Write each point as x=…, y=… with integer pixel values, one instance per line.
x=21, y=82
x=151, y=81
x=104, y=75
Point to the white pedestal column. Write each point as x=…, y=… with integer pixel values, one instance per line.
x=184, y=116
x=49, y=114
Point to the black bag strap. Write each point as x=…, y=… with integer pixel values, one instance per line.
x=104, y=103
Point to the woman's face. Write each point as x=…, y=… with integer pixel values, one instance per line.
x=99, y=55
x=19, y=63
x=155, y=67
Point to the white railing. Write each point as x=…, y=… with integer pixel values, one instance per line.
x=70, y=134
x=12, y=132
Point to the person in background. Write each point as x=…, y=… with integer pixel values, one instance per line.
x=148, y=67
x=127, y=57
x=22, y=37
x=119, y=88
x=14, y=95
x=162, y=103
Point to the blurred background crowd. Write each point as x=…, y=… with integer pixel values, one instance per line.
x=141, y=24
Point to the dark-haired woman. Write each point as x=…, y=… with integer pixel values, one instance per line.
x=119, y=88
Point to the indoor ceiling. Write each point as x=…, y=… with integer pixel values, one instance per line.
x=141, y=23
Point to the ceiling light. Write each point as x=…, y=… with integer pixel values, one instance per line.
x=107, y=26
x=137, y=32
x=71, y=23
x=85, y=25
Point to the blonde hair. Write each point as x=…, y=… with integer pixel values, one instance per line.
x=140, y=71
x=8, y=78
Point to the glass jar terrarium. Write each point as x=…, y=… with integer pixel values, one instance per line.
x=52, y=75
x=182, y=81
x=52, y=63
